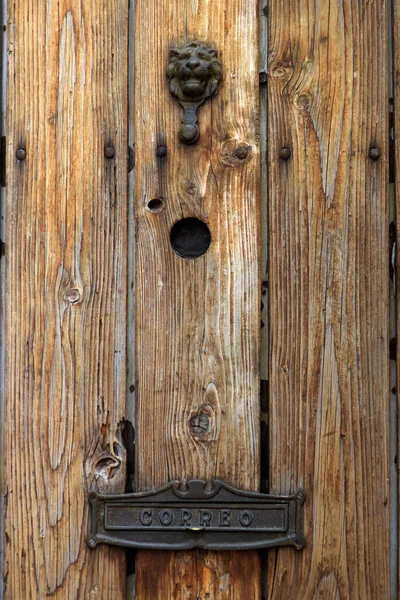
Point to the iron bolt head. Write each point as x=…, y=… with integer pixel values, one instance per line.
x=189, y=133
x=242, y=152
x=262, y=77
x=374, y=153
x=109, y=152
x=285, y=153
x=161, y=151
x=21, y=154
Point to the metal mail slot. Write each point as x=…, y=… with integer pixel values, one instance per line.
x=212, y=516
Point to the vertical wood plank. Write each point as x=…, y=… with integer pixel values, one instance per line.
x=197, y=321
x=3, y=71
x=396, y=166
x=66, y=293
x=328, y=227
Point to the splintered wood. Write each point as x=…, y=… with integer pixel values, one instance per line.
x=66, y=293
x=197, y=321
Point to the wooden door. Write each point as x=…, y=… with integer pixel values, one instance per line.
x=264, y=361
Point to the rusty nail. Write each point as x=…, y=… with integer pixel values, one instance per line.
x=161, y=151
x=109, y=152
x=242, y=152
x=21, y=154
x=73, y=296
x=374, y=153
x=285, y=153
x=262, y=77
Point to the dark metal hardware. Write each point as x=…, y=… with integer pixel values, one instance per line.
x=285, y=153
x=374, y=153
x=194, y=74
x=198, y=515
x=242, y=152
x=161, y=151
x=109, y=152
x=20, y=154
x=262, y=77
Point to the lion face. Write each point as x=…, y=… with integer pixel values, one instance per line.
x=194, y=72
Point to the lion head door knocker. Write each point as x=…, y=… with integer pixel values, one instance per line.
x=194, y=74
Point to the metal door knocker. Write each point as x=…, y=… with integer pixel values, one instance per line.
x=194, y=74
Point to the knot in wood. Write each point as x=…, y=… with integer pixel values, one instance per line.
x=73, y=296
x=303, y=101
x=200, y=424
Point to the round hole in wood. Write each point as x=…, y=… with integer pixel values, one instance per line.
x=190, y=238
x=155, y=205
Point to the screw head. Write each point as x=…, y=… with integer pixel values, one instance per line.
x=285, y=153
x=21, y=154
x=374, y=153
x=91, y=543
x=109, y=152
x=242, y=152
x=161, y=151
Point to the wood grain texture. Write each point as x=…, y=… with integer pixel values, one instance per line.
x=329, y=288
x=198, y=574
x=66, y=301
x=3, y=71
x=197, y=321
x=396, y=165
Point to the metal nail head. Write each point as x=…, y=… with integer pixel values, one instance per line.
x=21, y=154
x=374, y=153
x=242, y=152
x=109, y=152
x=285, y=153
x=161, y=151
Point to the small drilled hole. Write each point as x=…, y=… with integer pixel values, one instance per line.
x=190, y=238
x=155, y=205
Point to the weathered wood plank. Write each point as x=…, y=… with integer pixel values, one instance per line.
x=197, y=321
x=396, y=178
x=328, y=290
x=3, y=71
x=66, y=292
